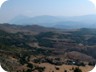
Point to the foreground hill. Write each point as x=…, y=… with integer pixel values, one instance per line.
x=36, y=44
x=25, y=28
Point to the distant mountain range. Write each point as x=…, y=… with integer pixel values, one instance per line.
x=87, y=21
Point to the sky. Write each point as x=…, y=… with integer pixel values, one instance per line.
x=13, y=8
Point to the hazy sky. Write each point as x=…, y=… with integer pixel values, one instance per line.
x=13, y=8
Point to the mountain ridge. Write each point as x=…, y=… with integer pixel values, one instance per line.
x=87, y=21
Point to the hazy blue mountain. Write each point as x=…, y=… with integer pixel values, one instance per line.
x=73, y=25
x=19, y=19
x=87, y=21
x=35, y=20
x=90, y=19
